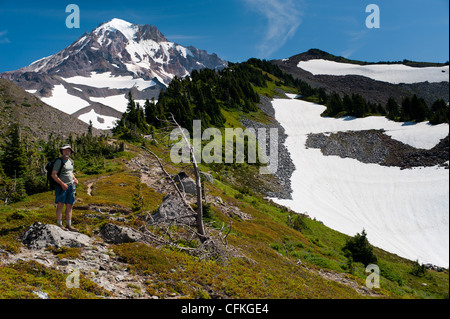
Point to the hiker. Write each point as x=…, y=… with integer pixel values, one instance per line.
x=65, y=188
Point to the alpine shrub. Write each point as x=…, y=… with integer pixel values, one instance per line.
x=359, y=249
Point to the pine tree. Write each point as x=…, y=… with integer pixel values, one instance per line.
x=51, y=148
x=322, y=96
x=406, y=110
x=133, y=121
x=419, y=109
x=439, y=112
x=89, y=129
x=348, y=104
x=392, y=109
x=334, y=106
x=131, y=106
x=14, y=157
x=359, y=248
x=359, y=105
x=151, y=115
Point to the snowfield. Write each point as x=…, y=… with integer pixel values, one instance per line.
x=100, y=122
x=70, y=104
x=63, y=101
x=106, y=80
x=405, y=212
x=117, y=102
x=392, y=73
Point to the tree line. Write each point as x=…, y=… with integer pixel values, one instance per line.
x=411, y=109
x=201, y=95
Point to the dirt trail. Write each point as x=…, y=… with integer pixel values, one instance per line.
x=90, y=184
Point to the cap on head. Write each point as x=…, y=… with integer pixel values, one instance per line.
x=66, y=146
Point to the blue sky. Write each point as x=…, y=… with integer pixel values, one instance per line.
x=239, y=29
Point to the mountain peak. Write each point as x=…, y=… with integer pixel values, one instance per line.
x=131, y=31
x=126, y=28
x=116, y=22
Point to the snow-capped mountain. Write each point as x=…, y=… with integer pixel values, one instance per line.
x=92, y=77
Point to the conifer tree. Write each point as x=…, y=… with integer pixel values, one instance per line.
x=335, y=105
x=406, y=110
x=419, y=109
x=14, y=157
x=359, y=105
x=133, y=121
x=359, y=248
x=151, y=115
x=392, y=108
x=440, y=112
x=348, y=104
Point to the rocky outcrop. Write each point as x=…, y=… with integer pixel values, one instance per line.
x=116, y=234
x=173, y=210
x=286, y=166
x=373, y=146
x=365, y=146
x=97, y=260
x=185, y=183
x=40, y=236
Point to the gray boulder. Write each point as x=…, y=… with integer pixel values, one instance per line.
x=173, y=209
x=40, y=236
x=119, y=234
x=185, y=183
x=207, y=177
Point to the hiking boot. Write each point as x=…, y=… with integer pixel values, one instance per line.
x=63, y=228
x=71, y=228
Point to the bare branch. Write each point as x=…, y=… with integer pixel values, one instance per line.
x=172, y=181
x=199, y=218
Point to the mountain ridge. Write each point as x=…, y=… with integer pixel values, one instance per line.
x=374, y=91
x=315, y=53
x=36, y=119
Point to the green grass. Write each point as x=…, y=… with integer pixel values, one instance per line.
x=21, y=280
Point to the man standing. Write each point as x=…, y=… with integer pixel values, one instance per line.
x=65, y=190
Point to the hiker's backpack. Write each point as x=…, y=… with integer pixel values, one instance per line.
x=49, y=168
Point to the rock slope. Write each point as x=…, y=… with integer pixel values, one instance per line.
x=373, y=146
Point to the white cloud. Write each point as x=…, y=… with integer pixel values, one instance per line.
x=283, y=20
x=356, y=40
x=3, y=38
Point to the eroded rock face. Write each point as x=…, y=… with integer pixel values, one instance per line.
x=40, y=236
